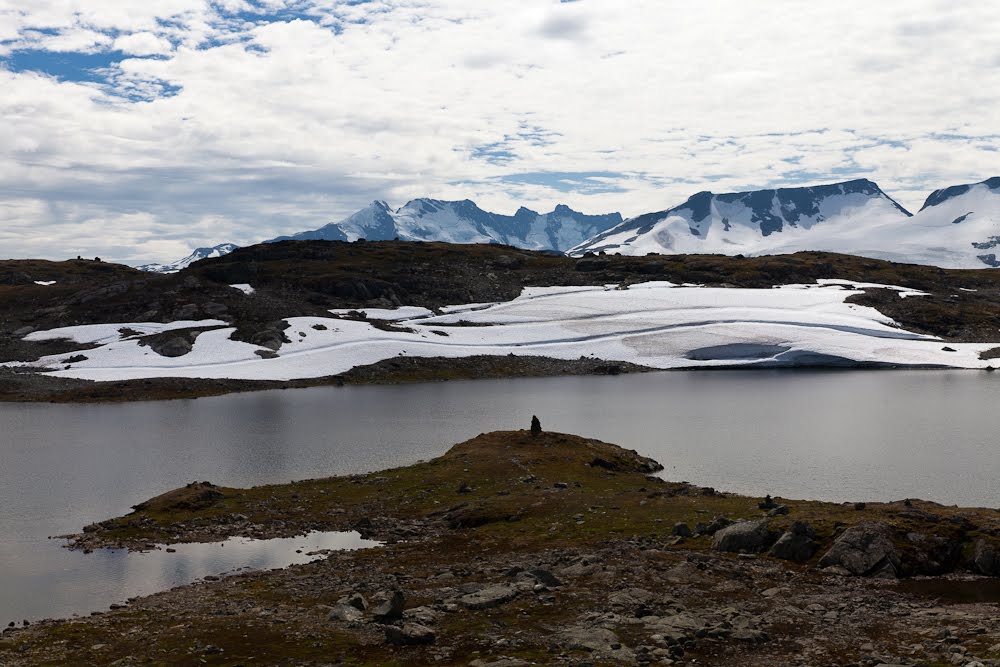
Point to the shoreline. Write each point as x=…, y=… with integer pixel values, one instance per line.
x=37, y=387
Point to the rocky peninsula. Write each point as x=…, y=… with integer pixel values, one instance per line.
x=519, y=548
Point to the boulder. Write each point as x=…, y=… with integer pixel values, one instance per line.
x=797, y=544
x=744, y=537
x=864, y=550
x=409, y=634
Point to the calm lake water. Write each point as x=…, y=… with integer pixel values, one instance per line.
x=833, y=435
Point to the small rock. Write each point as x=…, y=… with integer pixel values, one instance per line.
x=489, y=597
x=391, y=609
x=356, y=600
x=346, y=613
x=767, y=504
x=681, y=529
x=409, y=634
x=546, y=577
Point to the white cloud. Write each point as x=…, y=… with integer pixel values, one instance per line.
x=273, y=126
x=143, y=44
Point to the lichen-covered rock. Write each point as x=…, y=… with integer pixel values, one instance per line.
x=864, y=550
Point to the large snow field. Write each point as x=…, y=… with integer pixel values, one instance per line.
x=655, y=324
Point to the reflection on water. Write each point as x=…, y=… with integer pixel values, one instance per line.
x=57, y=582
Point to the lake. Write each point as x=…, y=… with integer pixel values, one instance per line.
x=832, y=435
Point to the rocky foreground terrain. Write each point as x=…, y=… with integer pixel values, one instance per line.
x=308, y=278
x=519, y=548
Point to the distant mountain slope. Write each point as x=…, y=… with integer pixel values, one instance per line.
x=958, y=227
x=199, y=253
x=464, y=222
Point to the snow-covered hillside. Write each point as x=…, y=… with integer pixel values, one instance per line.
x=655, y=324
x=464, y=222
x=199, y=253
x=753, y=223
x=958, y=227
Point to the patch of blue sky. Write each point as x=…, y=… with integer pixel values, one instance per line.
x=493, y=153
x=82, y=67
x=584, y=182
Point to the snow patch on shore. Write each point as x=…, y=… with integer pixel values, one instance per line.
x=655, y=324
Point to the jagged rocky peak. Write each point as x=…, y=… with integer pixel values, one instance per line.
x=938, y=197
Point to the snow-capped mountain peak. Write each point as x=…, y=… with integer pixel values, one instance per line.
x=198, y=253
x=939, y=197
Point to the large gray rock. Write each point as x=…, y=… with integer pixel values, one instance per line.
x=492, y=596
x=797, y=544
x=864, y=550
x=744, y=537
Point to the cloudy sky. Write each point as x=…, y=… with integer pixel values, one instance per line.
x=138, y=129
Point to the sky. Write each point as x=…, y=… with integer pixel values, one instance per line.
x=136, y=130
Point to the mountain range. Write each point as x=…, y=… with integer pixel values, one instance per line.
x=957, y=227
x=464, y=222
